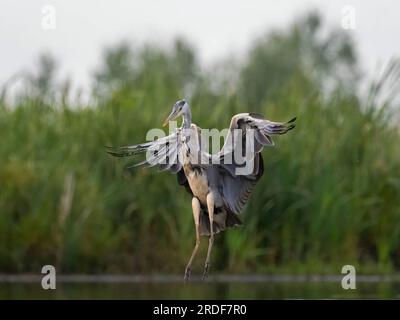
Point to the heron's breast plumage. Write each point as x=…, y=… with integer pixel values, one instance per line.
x=198, y=182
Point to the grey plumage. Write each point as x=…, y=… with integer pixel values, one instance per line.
x=218, y=192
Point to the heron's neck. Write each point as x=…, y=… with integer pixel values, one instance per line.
x=187, y=119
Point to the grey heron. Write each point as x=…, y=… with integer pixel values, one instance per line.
x=219, y=191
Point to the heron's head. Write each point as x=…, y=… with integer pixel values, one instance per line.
x=178, y=109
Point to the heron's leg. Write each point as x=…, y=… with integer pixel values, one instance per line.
x=210, y=207
x=196, y=215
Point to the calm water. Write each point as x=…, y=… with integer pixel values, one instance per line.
x=271, y=288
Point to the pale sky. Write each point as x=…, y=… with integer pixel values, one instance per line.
x=215, y=28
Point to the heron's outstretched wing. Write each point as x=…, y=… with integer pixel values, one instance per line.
x=252, y=128
x=236, y=189
x=164, y=152
x=239, y=179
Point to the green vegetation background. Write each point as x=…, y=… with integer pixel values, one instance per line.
x=330, y=194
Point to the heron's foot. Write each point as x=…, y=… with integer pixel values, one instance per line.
x=188, y=271
x=206, y=270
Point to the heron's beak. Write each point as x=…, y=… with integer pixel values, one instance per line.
x=172, y=116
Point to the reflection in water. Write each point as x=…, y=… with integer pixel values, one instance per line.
x=198, y=290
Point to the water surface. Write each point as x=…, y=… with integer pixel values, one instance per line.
x=171, y=287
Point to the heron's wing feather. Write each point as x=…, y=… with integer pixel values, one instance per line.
x=261, y=129
x=239, y=179
x=236, y=189
x=164, y=152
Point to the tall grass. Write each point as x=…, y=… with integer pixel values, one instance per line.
x=330, y=192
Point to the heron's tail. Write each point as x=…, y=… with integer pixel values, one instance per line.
x=223, y=219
